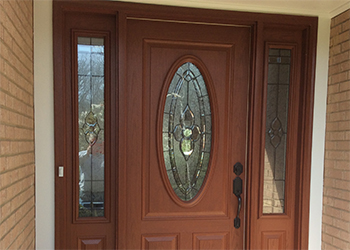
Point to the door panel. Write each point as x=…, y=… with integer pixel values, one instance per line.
x=154, y=48
x=273, y=240
x=214, y=241
x=160, y=242
x=91, y=243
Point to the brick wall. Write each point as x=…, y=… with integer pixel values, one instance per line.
x=16, y=125
x=336, y=196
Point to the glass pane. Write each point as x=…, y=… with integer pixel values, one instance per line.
x=91, y=126
x=276, y=130
x=187, y=131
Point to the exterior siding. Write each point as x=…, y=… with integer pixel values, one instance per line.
x=17, y=201
x=336, y=195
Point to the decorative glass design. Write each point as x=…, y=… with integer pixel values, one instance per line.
x=187, y=131
x=276, y=130
x=91, y=126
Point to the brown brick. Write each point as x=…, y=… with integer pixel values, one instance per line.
x=344, y=105
x=335, y=50
x=336, y=136
x=343, y=185
x=331, y=145
x=327, y=239
x=329, y=247
x=332, y=126
x=344, y=165
x=345, y=66
x=340, y=58
x=328, y=201
x=341, y=224
x=327, y=219
x=340, y=243
x=328, y=182
x=336, y=215
x=341, y=18
x=330, y=230
x=336, y=193
x=340, y=38
x=333, y=88
x=329, y=164
x=344, y=86
x=340, y=77
x=336, y=30
x=345, y=236
x=346, y=25
x=16, y=125
x=344, y=205
x=339, y=97
x=334, y=174
x=334, y=69
x=343, y=145
x=345, y=46
x=344, y=125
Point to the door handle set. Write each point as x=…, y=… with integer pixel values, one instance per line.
x=237, y=190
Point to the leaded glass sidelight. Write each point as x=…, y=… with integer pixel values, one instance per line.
x=91, y=126
x=279, y=67
x=187, y=131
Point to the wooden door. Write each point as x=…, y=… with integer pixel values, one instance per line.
x=172, y=176
x=156, y=215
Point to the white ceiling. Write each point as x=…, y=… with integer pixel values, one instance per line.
x=329, y=8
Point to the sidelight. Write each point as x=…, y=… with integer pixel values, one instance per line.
x=91, y=126
x=187, y=131
x=279, y=67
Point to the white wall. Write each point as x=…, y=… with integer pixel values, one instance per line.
x=44, y=133
x=319, y=127
x=44, y=124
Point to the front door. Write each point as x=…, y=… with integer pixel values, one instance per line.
x=187, y=92
x=179, y=128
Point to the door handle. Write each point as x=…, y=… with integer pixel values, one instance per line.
x=237, y=190
x=237, y=221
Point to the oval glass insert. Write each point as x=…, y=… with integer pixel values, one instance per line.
x=187, y=131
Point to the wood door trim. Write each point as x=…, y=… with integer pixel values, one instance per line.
x=258, y=22
x=122, y=179
x=175, y=13
x=59, y=107
x=292, y=128
x=75, y=33
x=64, y=106
x=307, y=74
x=308, y=71
x=186, y=22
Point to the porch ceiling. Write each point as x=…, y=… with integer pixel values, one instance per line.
x=329, y=8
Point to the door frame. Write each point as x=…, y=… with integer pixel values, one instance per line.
x=260, y=25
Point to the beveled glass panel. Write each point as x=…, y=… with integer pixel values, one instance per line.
x=187, y=131
x=91, y=126
x=276, y=130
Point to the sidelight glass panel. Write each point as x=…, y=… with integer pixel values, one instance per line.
x=187, y=131
x=276, y=130
x=91, y=126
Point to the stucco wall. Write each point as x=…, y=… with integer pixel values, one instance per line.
x=17, y=202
